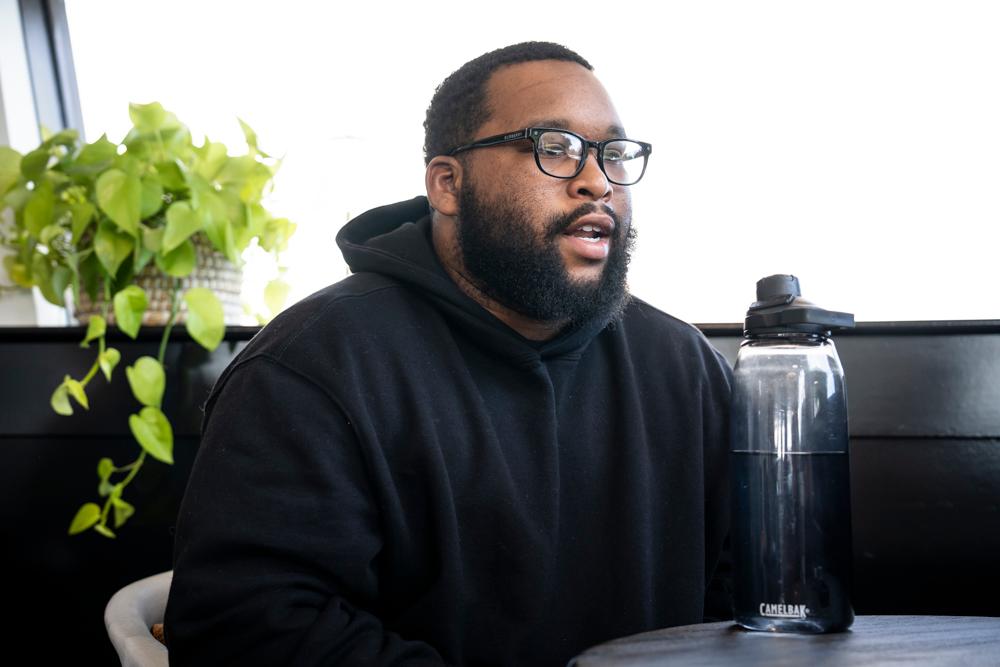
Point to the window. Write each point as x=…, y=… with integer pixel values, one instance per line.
x=854, y=144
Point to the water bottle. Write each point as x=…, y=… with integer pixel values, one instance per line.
x=791, y=524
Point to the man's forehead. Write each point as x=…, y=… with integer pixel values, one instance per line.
x=550, y=93
x=613, y=130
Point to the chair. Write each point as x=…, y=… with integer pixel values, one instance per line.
x=131, y=613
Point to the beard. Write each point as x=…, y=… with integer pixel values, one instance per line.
x=513, y=262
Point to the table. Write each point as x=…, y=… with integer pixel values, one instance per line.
x=872, y=640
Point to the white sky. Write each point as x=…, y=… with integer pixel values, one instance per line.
x=855, y=144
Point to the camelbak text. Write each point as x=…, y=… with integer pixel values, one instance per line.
x=783, y=610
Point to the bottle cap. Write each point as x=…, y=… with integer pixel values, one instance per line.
x=780, y=308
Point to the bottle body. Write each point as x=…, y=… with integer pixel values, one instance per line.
x=791, y=539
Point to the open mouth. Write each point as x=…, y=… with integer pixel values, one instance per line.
x=590, y=237
x=591, y=228
x=591, y=233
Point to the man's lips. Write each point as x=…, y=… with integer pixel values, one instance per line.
x=590, y=236
x=592, y=224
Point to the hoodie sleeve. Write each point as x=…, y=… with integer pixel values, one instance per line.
x=277, y=537
x=718, y=558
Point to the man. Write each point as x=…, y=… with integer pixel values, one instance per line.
x=478, y=449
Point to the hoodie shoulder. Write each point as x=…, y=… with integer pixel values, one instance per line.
x=670, y=334
x=343, y=310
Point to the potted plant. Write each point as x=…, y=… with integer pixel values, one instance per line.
x=125, y=232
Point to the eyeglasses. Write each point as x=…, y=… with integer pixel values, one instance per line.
x=562, y=154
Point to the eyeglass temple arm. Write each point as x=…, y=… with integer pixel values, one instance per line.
x=494, y=140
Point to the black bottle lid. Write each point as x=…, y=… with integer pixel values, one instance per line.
x=780, y=308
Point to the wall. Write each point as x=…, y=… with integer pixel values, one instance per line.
x=925, y=473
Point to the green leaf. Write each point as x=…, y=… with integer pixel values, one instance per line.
x=105, y=531
x=38, y=211
x=17, y=198
x=131, y=165
x=108, y=360
x=182, y=222
x=103, y=489
x=147, y=380
x=215, y=216
x=152, y=431
x=119, y=194
x=123, y=511
x=143, y=257
x=60, y=401
x=83, y=214
x=60, y=280
x=34, y=164
x=104, y=468
x=256, y=217
x=130, y=303
x=147, y=117
x=251, y=137
x=10, y=168
x=91, y=274
x=75, y=390
x=41, y=272
x=212, y=212
x=152, y=197
x=246, y=177
x=95, y=329
x=205, y=318
x=179, y=262
x=275, y=295
x=17, y=271
x=209, y=159
x=99, y=153
x=252, y=219
x=276, y=233
x=51, y=280
x=257, y=180
x=236, y=171
x=49, y=233
x=112, y=246
x=85, y=517
x=231, y=250
x=152, y=239
x=171, y=176
x=61, y=138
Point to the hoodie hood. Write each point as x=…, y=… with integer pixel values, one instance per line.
x=395, y=241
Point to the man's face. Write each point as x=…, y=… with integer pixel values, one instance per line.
x=519, y=230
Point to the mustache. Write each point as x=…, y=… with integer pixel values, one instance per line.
x=559, y=224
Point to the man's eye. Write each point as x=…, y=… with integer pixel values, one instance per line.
x=613, y=155
x=552, y=149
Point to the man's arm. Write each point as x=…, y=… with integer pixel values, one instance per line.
x=719, y=593
x=278, y=534
x=718, y=552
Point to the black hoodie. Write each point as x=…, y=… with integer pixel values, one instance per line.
x=390, y=475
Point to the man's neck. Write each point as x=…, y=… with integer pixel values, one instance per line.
x=446, y=247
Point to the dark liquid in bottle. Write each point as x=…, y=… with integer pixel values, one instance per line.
x=792, y=541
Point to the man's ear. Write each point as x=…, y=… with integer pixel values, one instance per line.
x=443, y=180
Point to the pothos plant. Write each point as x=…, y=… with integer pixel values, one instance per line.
x=88, y=218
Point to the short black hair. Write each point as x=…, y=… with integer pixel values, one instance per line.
x=458, y=108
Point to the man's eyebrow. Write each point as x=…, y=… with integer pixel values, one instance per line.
x=557, y=123
x=616, y=131
x=612, y=131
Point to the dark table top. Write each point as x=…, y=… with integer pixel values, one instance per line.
x=872, y=640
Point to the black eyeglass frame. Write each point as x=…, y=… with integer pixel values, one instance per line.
x=532, y=134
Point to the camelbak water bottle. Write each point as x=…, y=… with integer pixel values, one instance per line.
x=791, y=482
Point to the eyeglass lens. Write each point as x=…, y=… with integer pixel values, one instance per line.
x=560, y=153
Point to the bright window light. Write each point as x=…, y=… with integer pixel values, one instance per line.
x=854, y=144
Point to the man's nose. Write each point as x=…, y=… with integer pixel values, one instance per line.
x=591, y=183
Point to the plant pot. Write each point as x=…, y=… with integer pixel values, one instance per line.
x=212, y=270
